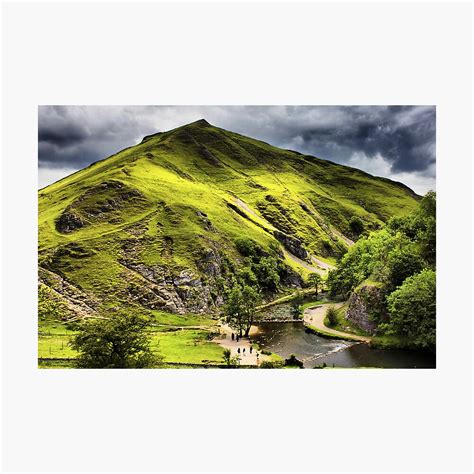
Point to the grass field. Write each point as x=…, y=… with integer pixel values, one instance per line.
x=183, y=346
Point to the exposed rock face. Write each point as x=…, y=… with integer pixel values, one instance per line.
x=68, y=222
x=366, y=308
x=176, y=293
x=78, y=303
x=292, y=244
x=206, y=223
x=292, y=279
x=97, y=203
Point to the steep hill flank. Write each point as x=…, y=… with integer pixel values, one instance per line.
x=154, y=226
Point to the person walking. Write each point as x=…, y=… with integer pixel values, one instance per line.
x=238, y=350
x=243, y=350
x=233, y=336
x=251, y=349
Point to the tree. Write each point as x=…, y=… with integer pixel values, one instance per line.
x=247, y=276
x=420, y=227
x=367, y=256
x=427, y=234
x=228, y=359
x=240, y=308
x=402, y=263
x=356, y=225
x=119, y=341
x=226, y=356
x=412, y=310
x=248, y=247
x=48, y=306
x=315, y=280
x=331, y=316
x=292, y=361
x=266, y=271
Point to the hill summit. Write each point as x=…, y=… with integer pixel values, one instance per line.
x=166, y=225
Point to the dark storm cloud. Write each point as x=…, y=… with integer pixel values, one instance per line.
x=393, y=141
x=404, y=136
x=74, y=137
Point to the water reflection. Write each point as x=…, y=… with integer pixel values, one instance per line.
x=291, y=338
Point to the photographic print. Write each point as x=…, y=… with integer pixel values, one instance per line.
x=236, y=237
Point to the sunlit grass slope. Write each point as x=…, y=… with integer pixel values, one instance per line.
x=182, y=197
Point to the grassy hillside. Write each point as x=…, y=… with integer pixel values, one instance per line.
x=154, y=226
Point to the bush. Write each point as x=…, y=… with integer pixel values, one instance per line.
x=228, y=359
x=296, y=311
x=412, y=309
x=48, y=305
x=266, y=271
x=118, y=341
x=356, y=225
x=331, y=316
x=402, y=263
x=247, y=277
x=248, y=247
x=268, y=364
x=292, y=361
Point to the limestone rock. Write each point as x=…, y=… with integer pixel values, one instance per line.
x=366, y=307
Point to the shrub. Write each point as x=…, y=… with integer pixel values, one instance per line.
x=331, y=315
x=228, y=359
x=268, y=364
x=292, y=361
x=356, y=225
x=266, y=271
x=247, y=247
x=296, y=311
x=118, y=341
x=412, y=309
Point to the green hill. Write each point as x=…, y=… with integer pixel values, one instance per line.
x=155, y=225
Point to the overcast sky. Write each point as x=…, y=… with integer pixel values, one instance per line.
x=397, y=142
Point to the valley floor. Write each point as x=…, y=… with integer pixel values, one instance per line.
x=186, y=341
x=246, y=358
x=177, y=345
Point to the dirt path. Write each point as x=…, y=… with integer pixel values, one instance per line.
x=348, y=241
x=319, y=269
x=315, y=317
x=248, y=359
x=246, y=208
x=320, y=263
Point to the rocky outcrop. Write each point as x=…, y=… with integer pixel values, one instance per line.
x=98, y=203
x=205, y=221
x=367, y=307
x=292, y=244
x=292, y=279
x=77, y=302
x=68, y=222
x=158, y=288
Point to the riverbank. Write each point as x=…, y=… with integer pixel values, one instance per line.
x=313, y=318
x=247, y=357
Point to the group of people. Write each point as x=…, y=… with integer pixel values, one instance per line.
x=243, y=350
x=236, y=337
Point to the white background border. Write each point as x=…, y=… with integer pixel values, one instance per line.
x=369, y=420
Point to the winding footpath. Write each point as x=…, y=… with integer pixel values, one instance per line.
x=314, y=317
x=319, y=269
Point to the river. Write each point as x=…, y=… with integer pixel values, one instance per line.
x=285, y=338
